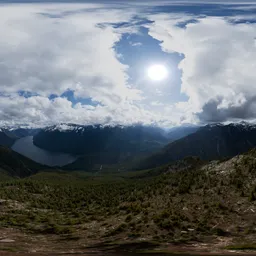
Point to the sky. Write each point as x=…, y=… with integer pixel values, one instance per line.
x=87, y=63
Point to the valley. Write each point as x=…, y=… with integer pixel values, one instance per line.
x=189, y=204
x=25, y=147
x=127, y=128
x=184, y=205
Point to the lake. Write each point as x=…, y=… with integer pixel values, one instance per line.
x=25, y=147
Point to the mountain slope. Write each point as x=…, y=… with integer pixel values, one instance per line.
x=23, y=132
x=6, y=138
x=15, y=165
x=179, y=132
x=188, y=205
x=98, y=145
x=209, y=142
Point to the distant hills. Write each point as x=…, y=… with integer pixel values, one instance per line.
x=215, y=141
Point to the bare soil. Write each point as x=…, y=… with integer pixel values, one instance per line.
x=14, y=242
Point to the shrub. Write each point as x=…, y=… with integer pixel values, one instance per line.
x=128, y=218
x=252, y=197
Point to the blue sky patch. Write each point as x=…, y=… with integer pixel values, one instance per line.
x=139, y=58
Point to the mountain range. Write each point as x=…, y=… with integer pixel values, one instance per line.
x=213, y=141
x=137, y=147
x=98, y=145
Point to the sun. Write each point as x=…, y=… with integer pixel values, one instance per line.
x=157, y=72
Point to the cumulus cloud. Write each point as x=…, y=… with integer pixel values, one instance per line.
x=213, y=113
x=38, y=111
x=49, y=49
x=218, y=65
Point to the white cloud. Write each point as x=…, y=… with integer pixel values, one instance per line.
x=218, y=66
x=156, y=103
x=40, y=111
x=47, y=49
x=71, y=51
x=135, y=44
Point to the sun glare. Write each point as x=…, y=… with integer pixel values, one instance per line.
x=157, y=72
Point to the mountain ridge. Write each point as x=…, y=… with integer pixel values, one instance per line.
x=213, y=141
x=101, y=145
x=15, y=165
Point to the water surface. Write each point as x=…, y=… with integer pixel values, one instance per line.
x=25, y=147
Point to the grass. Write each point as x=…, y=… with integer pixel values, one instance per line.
x=4, y=176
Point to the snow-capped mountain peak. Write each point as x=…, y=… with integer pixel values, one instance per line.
x=63, y=127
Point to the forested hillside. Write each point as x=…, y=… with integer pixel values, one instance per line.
x=187, y=201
